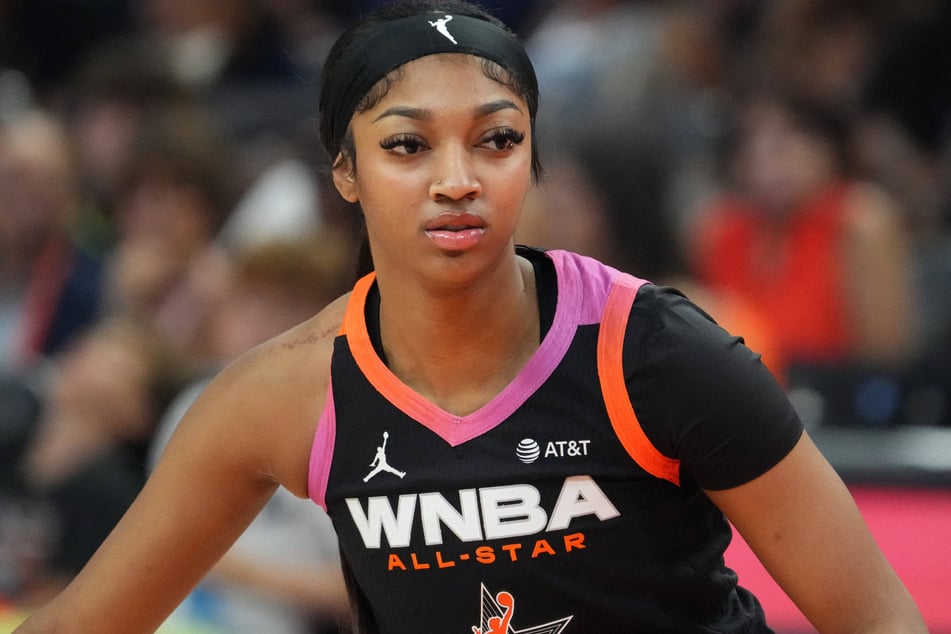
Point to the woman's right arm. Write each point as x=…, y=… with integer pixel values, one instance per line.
x=221, y=466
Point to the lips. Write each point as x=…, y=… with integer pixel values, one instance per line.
x=455, y=221
x=456, y=231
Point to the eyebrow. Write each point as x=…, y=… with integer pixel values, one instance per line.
x=423, y=114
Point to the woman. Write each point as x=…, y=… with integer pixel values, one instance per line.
x=796, y=228
x=448, y=412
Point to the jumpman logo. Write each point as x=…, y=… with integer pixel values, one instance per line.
x=380, y=464
x=440, y=25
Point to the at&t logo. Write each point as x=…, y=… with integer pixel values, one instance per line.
x=528, y=450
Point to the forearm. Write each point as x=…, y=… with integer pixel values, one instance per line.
x=895, y=613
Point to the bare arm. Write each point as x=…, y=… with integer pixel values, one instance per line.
x=802, y=523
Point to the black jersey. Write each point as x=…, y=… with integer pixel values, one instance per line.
x=557, y=507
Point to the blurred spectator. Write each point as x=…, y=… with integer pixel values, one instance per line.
x=239, y=58
x=283, y=203
x=283, y=575
x=209, y=42
x=276, y=285
x=881, y=68
x=823, y=51
x=905, y=144
x=566, y=210
x=19, y=409
x=631, y=91
x=49, y=284
x=83, y=463
x=128, y=90
x=117, y=90
x=907, y=147
x=309, y=28
x=174, y=196
x=822, y=257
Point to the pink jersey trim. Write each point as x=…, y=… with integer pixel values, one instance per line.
x=321, y=451
x=585, y=280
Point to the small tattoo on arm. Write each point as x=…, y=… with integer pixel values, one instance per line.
x=309, y=339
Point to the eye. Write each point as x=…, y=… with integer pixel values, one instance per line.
x=403, y=144
x=503, y=139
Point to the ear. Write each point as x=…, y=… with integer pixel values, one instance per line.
x=344, y=180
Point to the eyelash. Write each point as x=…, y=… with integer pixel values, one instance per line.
x=507, y=138
x=406, y=141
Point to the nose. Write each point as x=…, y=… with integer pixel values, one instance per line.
x=455, y=177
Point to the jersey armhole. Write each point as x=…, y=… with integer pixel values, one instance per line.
x=627, y=427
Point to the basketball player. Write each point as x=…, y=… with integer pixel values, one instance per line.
x=653, y=426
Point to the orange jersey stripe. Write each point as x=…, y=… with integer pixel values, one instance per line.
x=354, y=326
x=628, y=428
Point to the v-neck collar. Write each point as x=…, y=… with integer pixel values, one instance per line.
x=458, y=429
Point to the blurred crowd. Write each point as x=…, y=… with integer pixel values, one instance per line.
x=164, y=207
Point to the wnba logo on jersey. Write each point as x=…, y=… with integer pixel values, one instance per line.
x=528, y=449
x=488, y=513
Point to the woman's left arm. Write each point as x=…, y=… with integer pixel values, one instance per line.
x=802, y=523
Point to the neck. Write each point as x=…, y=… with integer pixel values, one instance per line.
x=461, y=348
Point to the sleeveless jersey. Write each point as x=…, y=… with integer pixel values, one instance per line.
x=534, y=514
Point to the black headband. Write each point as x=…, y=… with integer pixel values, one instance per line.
x=395, y=43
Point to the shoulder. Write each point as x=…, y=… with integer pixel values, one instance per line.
x=299, y=356
x=268, y=401
x=701, y=394
x=663, y=314
x=673, y=337
x=671, y=346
